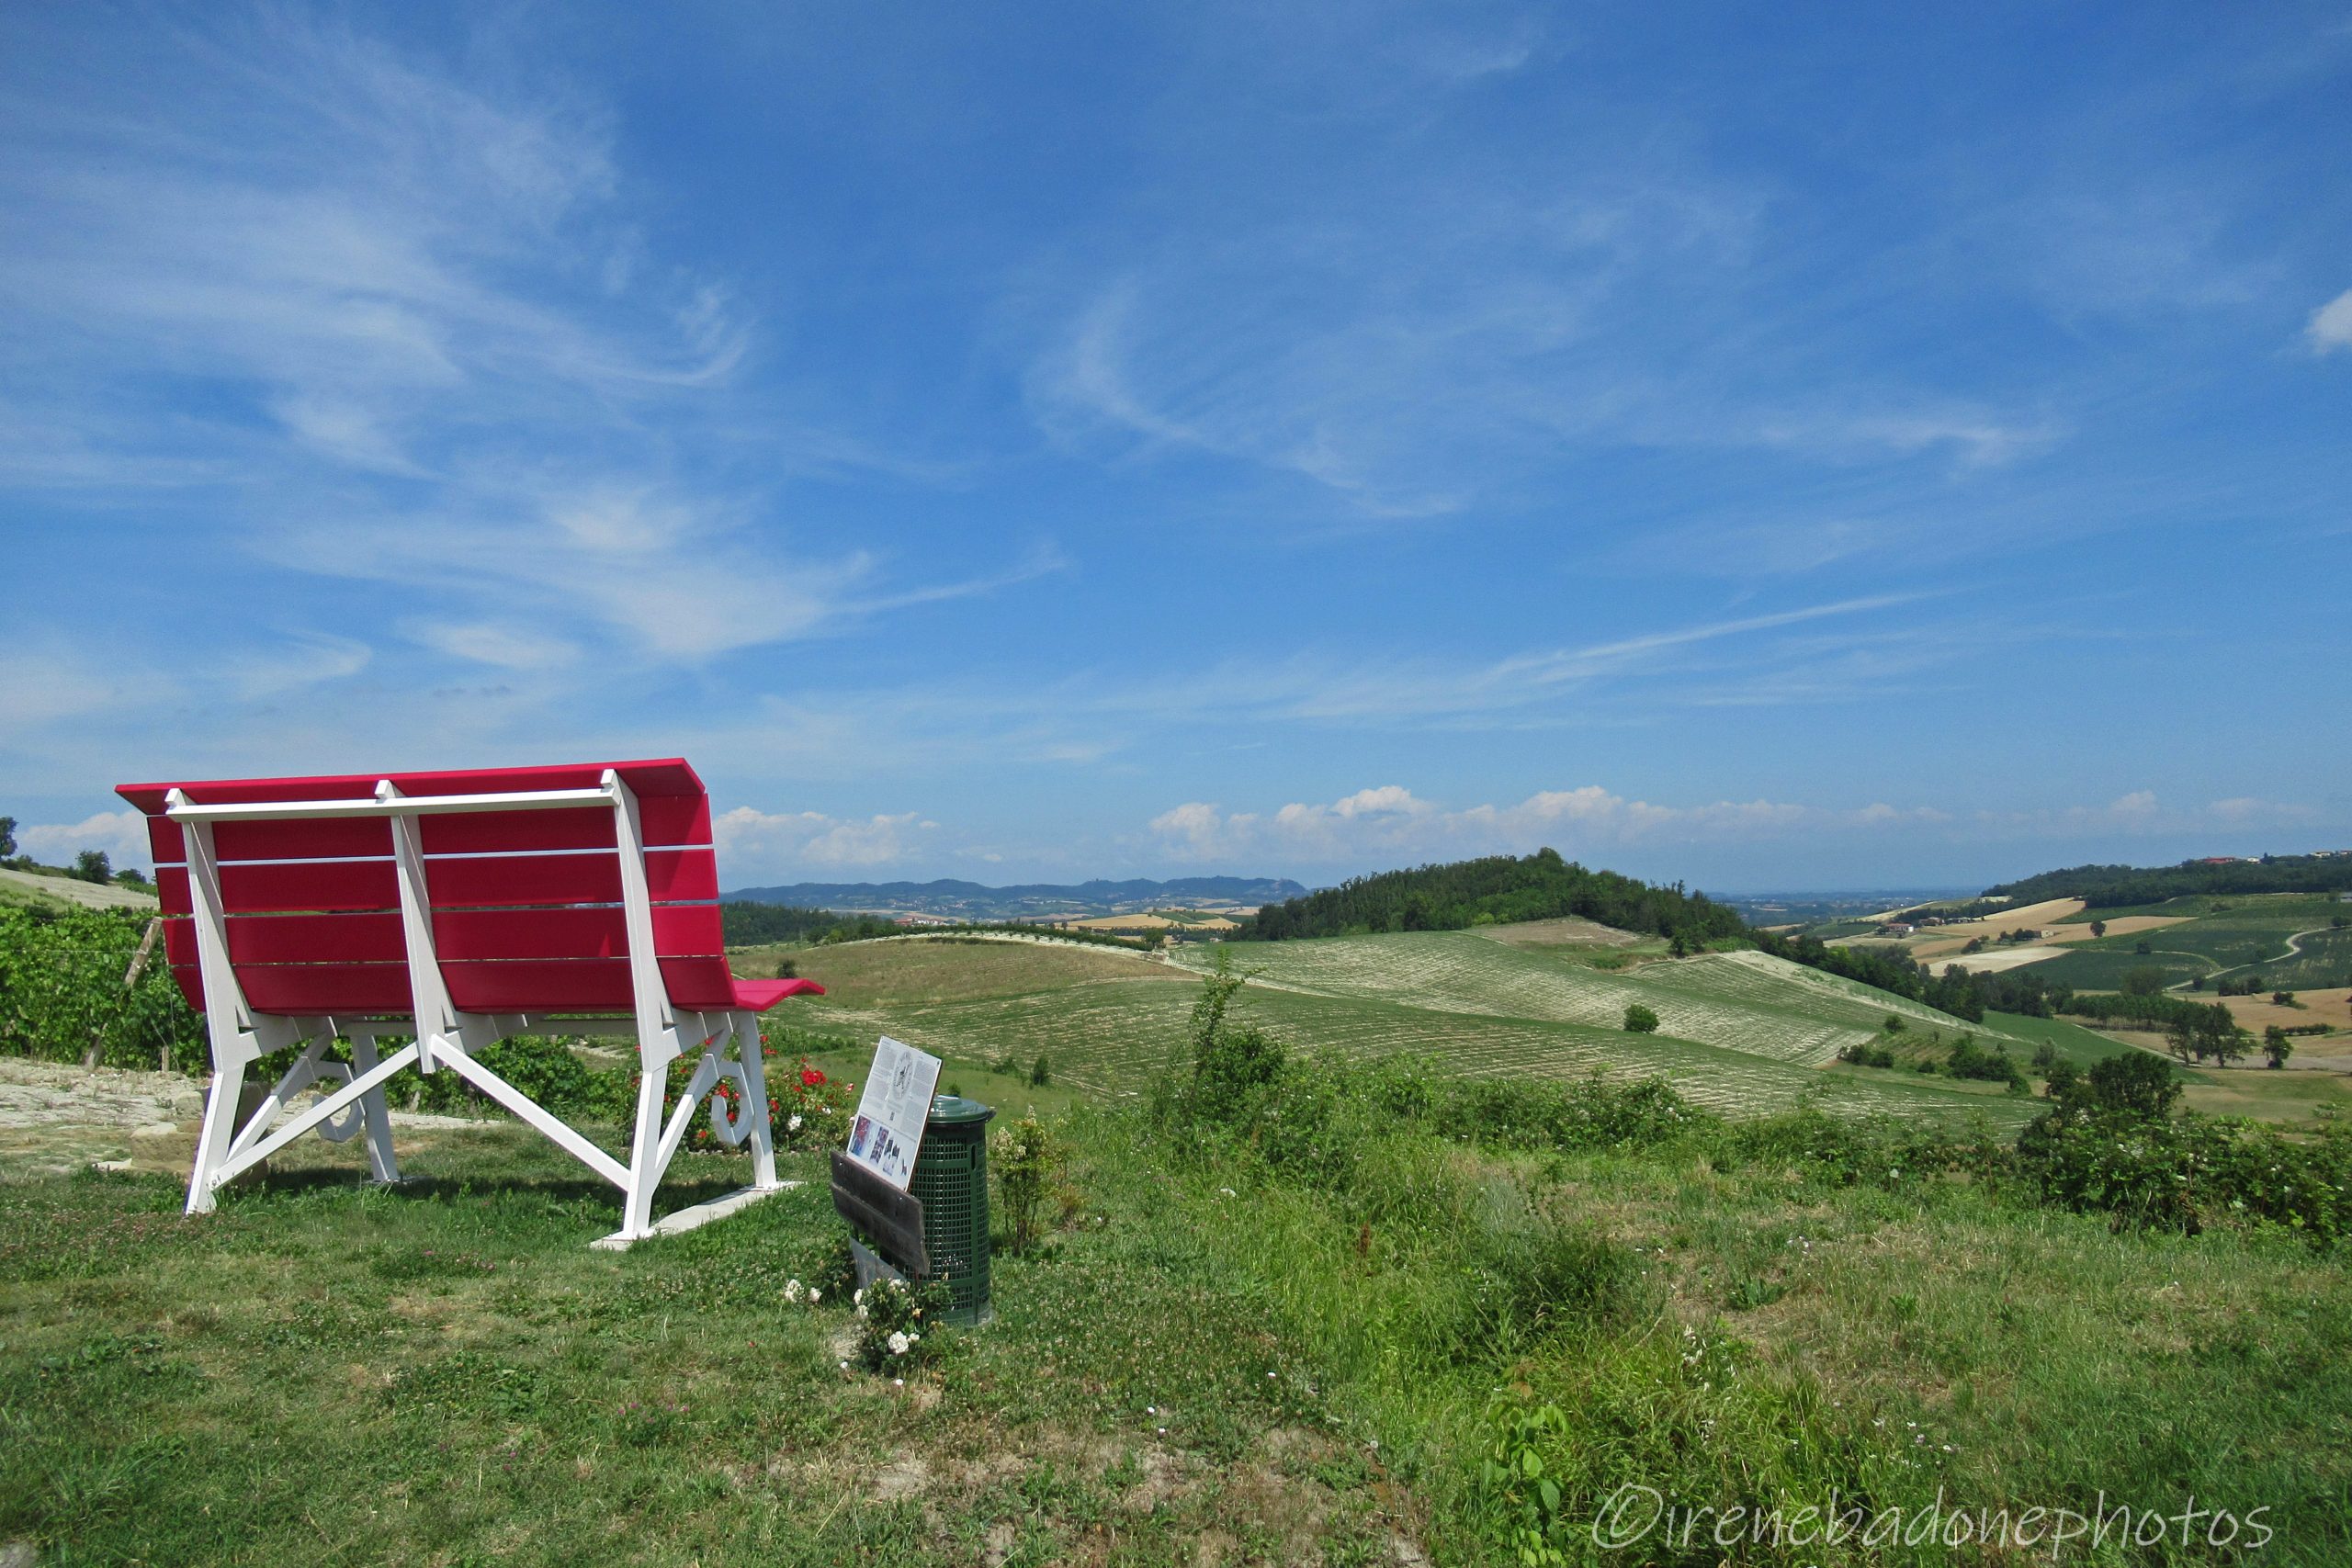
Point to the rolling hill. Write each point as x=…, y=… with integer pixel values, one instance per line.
x=1740, y=1033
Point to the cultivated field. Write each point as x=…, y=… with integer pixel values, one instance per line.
x=1739, y=1033
x=2286, y=937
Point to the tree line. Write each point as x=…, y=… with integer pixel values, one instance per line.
x=2119, y=886
x=1497, y=890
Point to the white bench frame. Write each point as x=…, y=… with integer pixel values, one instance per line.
x=445, y=1036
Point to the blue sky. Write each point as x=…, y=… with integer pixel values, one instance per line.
x=1805, y=448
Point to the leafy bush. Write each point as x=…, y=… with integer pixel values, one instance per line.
x=1863, y=1054
x=898, y=1324
x=1640, y=1020
x=1025, y=1158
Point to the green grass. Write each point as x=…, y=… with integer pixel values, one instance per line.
x=1876, y=1345
x=2071, y=1041
x=447, y=1375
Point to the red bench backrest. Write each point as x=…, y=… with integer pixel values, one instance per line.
x=526, y=904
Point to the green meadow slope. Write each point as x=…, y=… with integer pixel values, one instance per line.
x=1741, y=1033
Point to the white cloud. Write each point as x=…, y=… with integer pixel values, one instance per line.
x=2330, y=325
x=1392, y=824
x=812, y=838
x=309, y=659
x=1392, y=820
x=122, y=834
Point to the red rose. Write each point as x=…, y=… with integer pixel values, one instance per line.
x=811, y=1077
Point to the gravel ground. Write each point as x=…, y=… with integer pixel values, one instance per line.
x=55, y=1118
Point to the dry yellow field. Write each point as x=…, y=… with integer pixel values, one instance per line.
x=2331, y=1007
x=1150, y=923
x=1942, y=941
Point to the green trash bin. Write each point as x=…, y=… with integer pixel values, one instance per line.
x=950, y=1181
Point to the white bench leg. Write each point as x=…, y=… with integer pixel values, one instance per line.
x=645, y=1160
x=219, y=1127
x=374, y=1113
x=749, y=1051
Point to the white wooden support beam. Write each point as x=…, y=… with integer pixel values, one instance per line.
x=436, y=1015
x=184, y=810
x=657, y=1032
x=331, y=1105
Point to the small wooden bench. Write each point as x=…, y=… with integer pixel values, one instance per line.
x=456, y=909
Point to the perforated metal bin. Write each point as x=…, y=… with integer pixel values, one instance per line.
x=951, y=1181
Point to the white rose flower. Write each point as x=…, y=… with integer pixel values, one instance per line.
x=897, y=1343
x=792, y=1290
x=815, y=1295
x=794, y=1124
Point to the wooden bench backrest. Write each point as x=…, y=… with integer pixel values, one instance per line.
x=526, y=904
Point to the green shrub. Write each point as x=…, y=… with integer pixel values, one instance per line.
x=1640, y=1020
x=1026, y=1159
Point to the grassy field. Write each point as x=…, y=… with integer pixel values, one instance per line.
x=1740, y=1033
x=1210, y=1362
x=447, y=1374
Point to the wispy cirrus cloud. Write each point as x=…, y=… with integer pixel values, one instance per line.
x=2330, y=328
x=444, y=355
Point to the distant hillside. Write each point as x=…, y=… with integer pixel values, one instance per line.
x=972, y=902
x=1498, y=889
x=2119, y=886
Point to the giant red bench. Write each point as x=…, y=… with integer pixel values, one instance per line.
x=456, y=909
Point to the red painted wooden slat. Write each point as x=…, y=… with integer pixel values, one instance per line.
x=681, y=876
x=314, y=885
x=327, y=988
x=350, y=838
x=171, y=889
x=341, y=839
x=581, y=984
x=668, y=820
x=163, y=845
x=651, y=776
x=317, y=939
x=680, y=931
x=594, y=985
x=698, y=983
x=508, y=880
x=687, y=930
x=675, y=876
